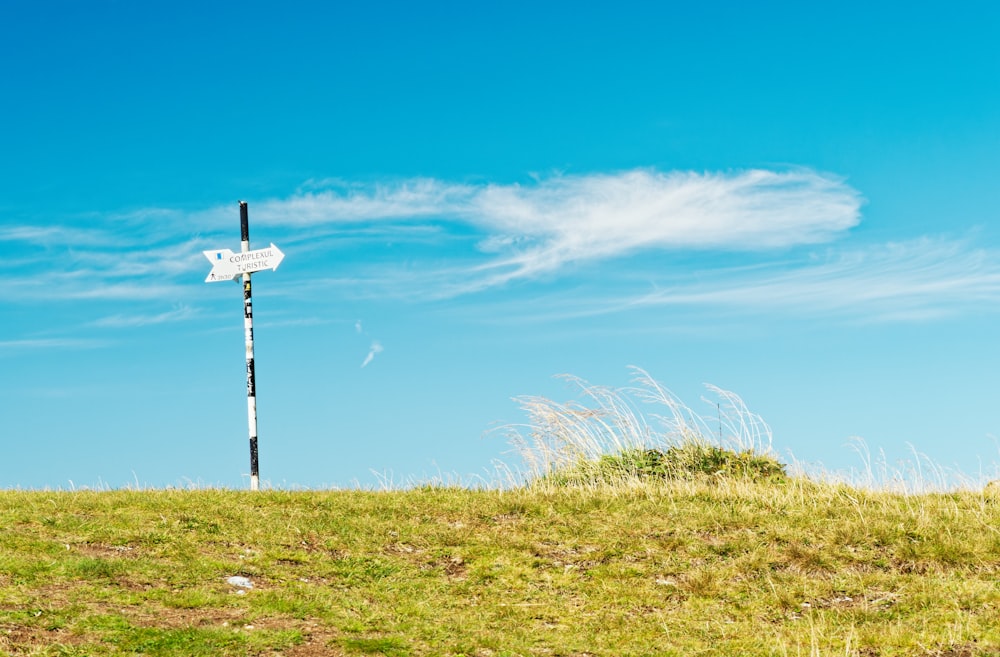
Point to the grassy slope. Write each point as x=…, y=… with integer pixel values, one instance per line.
x=681, y=568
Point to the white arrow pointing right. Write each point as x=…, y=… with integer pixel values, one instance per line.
x=227, y=265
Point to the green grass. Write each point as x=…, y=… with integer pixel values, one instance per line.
x=693, y=460
x=624, y=535
x=711, y=565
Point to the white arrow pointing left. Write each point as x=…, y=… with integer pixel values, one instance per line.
x=227, y=266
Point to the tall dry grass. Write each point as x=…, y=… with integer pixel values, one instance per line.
x=914, y=473
x=645, y=415
x=603, y=421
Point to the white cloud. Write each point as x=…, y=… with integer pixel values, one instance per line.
x=54, y=236
x=451, y=239
x=114, y=269
x=905, y=281
x=517, y=231
x=610, y=213
x=541, y=227
x=179, y=313
x=346, y=202
x=49, y=343
x=376, y=348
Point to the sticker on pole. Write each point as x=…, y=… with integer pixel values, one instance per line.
x=228, y=266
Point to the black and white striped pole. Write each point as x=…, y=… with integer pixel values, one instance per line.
x=248, y=338
x=229, y=266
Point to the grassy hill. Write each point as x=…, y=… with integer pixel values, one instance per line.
x=626, y=534
x=642, y=566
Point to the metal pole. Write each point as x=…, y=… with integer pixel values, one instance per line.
x=248, y=333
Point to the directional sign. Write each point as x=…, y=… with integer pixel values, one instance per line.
x=227, y=266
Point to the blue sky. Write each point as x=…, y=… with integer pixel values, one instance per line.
x=797, y=203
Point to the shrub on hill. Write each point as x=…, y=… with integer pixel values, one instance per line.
x=686, y=462
x=608, y=437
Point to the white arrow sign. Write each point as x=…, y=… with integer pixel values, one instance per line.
x=227, y=266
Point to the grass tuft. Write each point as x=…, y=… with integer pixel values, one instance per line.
x=608, y=438
x=688, y=461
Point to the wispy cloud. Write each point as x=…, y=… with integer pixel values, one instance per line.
x=9, y=346
x=520, y=231
x=111, y=269
x=177, y=314
x=540, y=227
x=359, y=202
x=915, y=280
x=376, y=348
x=923, y=277
x=443, y=239
x=54, y=236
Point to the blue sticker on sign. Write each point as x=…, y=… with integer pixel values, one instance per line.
x=218, y=256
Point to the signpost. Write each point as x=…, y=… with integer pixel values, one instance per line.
x=229, y=266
